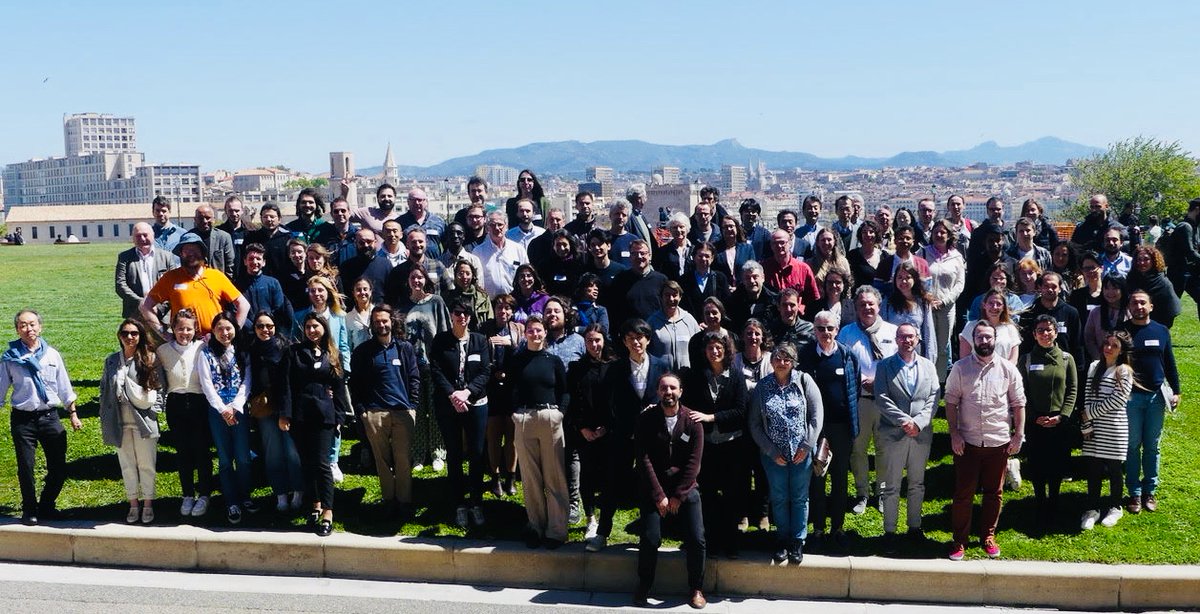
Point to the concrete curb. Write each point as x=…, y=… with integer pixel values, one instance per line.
x=461, y=561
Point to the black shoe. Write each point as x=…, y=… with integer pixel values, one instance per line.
x=889, y=543
x=795, y=555
x=324, y=528
x=50, y=513
x=732, y=553
x=841, y=542
x=915, y=535
x=780, y=555
x=29, y=520
x=815, y=541
x=532, y=539
x=641, y=596
x=552, y=544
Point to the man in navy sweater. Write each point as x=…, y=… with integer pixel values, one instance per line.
x=262, y=290
x=1155, y=384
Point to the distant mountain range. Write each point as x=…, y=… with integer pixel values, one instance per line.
x=564, y=157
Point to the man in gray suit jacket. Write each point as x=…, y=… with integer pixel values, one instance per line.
x=220, y=245
x=906, y=388
x=139, y=267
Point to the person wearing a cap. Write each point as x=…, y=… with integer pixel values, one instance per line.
x=196, y=286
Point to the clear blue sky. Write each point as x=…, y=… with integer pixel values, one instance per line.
x=235, y=84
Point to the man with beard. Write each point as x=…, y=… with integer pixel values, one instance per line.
x=525, y=231
x=385, y=387
x=786, y=324
x=273, y=237
x=374, y=217
x=194, y=286
x=365, y=250
x=419, y=215
x=455, y=250
x=396, y=285
x=993, y=224
x=669, y=444
x=340, y=239
x=38, y=377
x=236, y=229
x=218, y=242
x=1089, y=234
x=985, y=413
x=1114, y=261
x=475, y=225
x=618, y=217
x=139, y=267
x=1155, y=386
x=309, y=225
x=263, y=291
x=870, y=339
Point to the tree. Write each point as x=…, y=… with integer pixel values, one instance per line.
x=301, y=183
x=1158, y=176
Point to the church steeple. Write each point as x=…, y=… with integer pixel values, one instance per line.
x=391, y=172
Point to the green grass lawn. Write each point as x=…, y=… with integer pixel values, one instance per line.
x=72, y=286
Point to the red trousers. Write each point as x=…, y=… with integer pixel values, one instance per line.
x=977, y=469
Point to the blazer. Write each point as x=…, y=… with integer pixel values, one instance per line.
x=666, y=260
x=131, y=284
x=668, y=462
x=893, y=399
x=318, y=394
x=623, y=399
x=693, y=297
x=444, y=359
x=731, y=403
x=742, y=253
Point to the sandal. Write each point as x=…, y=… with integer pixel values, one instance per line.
x=324, y=527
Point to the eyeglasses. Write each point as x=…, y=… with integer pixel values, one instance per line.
x=825, y=328
x=462, y=314
x=130, y=333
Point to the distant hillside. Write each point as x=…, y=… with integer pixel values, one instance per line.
x=562, y=157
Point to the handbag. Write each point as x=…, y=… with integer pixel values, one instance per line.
x=139, y=397
x=260, y=406
x=822, y=457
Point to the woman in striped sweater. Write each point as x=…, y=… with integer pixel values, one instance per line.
x=1106, y=427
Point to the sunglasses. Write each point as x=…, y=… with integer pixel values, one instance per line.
x=130, y=333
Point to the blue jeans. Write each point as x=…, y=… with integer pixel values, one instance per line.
x=283, y=463
x=789, y=497
x=233, y=447
x=1146, y=411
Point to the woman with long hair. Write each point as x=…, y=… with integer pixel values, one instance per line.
x=187, y=413
x=327, y=303
x=836, y=295
x=358, y=319
x=995, y=311
x=864, y=259
x=318, y=391
x=947, y=278
x=529, y=293
x=1051, y=384
x=717, y=396
x=468, y=288
x=562, y=269
x=461, y=365
x=590, y=415
x=734, y=250
x=1105, y=428
x=504, y=336
x=827, y=255
x=270, y=394
x=129, y=407
x=317, y=262
x=909, y=303
x=1064, y=260
x=425, y=315
x=528, y=188
x=1106, y=318
x=225, y=381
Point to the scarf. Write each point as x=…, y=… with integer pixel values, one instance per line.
x=16, y=354
x=871, y=332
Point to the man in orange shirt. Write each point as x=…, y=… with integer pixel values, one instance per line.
x=204, y=290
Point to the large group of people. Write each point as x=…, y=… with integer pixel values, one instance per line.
x=728, y=374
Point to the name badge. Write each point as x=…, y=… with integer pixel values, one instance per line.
x=839, y=371
x=560, y=278
x=886, y=341
x=473, y=358
x=685, y=438
x=396, y=361
x=238, y=241
x=1152, y=343
x=181, y=286
x=1062, y=328
x=1037, y=367
x=432, y=232
x=624, y=254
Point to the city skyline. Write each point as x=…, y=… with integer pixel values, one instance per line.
x=238, y=86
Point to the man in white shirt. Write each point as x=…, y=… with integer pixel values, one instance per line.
x=500, y=257
x=524, y=231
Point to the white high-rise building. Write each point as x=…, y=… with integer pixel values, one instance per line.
x=86, y=133
x=669, y=174
x=733, y=179
x=600, y=174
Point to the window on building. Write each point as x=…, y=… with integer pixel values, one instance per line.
x=52, y=235
x=85, y=231
x=34, y=231
x=116, y=230
x=131, y=229
x=100, y=230
x=69, y=233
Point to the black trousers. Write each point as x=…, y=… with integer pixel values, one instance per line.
x=692, y=518
x=833, y=505
x=1047, y=452
x=596, y=479
x=187, y=417
x=463, y=434
x=725, y=480
x=29, y=429
x=1099, y=470
x=313, y=442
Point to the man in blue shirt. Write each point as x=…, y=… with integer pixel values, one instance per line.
x=262, y=290
x=166, y=233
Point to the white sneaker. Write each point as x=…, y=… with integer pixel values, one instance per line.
x=297, y=501
x=1012, y=474
x=1089, y=520
x=337, y=474
x=417, y=467
x=1110, y=519
x=438, y=464
x=592, y=527
x=281, y=503
x=596, y=544
x=460, y=517
x=185, y=509
x=201, y=507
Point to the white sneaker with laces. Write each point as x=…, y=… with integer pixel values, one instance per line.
x=1012, y=474
x=337, y=474
x=1112, y=517
x=592, y=527
x=1089, y=520
x=185, y=509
